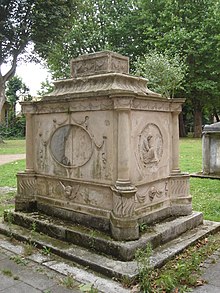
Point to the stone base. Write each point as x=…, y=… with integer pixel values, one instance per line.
x=124, y=229
x=157, y=234
x=186, y=231
x=203, y=176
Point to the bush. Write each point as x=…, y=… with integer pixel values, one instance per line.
x=15, y=128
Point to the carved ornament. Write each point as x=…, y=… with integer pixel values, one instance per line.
x=150, y=146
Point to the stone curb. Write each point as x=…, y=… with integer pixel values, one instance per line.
x=80, y=275
x=109, y=266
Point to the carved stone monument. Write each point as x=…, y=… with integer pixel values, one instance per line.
x=102, y=150
x=211, y=149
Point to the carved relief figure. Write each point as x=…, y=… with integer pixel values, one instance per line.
x=70, y=192
x=149, y=151
x=150, y=146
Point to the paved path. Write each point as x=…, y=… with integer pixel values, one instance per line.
x=4, y=159
x=22, y=275
x=211, y=274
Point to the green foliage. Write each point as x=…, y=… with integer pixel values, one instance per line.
x=183, y=272
x=14, y=125
x=88, y=288
x=96, y=25
x=189, y=29
x=19, y=260
x=68, y=281
x=15, y=128
x=142, y=256
x=46, y=88
x=40, y=23
x=14, y=89
x=6, y=202
x=46, y=250
x=164, y=72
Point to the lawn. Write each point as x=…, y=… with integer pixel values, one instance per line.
x=12, y=147
x=205, y=192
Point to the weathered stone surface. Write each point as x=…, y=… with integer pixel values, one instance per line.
x=211, y=149
x=102, y=150
x=99, y=63
x=107, y=265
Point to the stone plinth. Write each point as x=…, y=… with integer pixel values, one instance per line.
x=211, y=149
x=102, y=151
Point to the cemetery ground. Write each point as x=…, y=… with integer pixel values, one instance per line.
x=183, y=271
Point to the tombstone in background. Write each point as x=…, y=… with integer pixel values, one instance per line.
x=102, y=150
x=211, y=149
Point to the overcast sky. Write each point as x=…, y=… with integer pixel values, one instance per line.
x=32, y=75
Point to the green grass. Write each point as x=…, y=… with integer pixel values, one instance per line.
x=12, y=147
x=205, y=192
x=6, y=202
x=190, y=155
x=8, y=173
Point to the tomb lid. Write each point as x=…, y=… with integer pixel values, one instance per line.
x=99, y=63
x=215, y=127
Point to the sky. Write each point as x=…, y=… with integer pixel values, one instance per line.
x=32, y=75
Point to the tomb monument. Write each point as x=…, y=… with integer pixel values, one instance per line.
x=211, y=150
x=102, y=150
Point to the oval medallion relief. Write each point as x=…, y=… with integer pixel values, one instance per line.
x=71, y=146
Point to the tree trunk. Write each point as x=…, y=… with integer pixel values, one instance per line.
x=2, y=94
x=197, y=123
x=182, y=129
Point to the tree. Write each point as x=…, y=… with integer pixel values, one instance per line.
x=14, y=89
x=46, y=88
x=189, y=28
x=97, y=25
x=193, y=28
x=21, y=22
x=165, y=73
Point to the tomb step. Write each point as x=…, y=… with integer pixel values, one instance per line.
x=104, y=264
x=94, y=240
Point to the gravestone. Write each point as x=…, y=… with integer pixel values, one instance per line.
x=102, y=151
x=211, y=149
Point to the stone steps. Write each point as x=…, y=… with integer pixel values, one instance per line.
x=102, y=243
x=108, y=265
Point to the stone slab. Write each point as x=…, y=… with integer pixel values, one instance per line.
x=210, y=269
x=205, y=176
x=20, y=288
x=108, y=266
x=58, y=266
x=157, y=234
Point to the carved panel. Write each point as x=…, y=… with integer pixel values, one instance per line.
x=123, y=206
x=101, y=62
x=151, y=193
x=179, y=187
x=151, y=105
x=26, y=186
x=150, y=147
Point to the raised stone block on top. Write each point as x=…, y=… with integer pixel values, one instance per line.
x=99, y=63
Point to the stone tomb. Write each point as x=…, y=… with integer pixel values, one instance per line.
x=102, y=151
x=211, y=149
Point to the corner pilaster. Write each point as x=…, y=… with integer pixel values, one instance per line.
x=124, y=225
x=29, y=144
